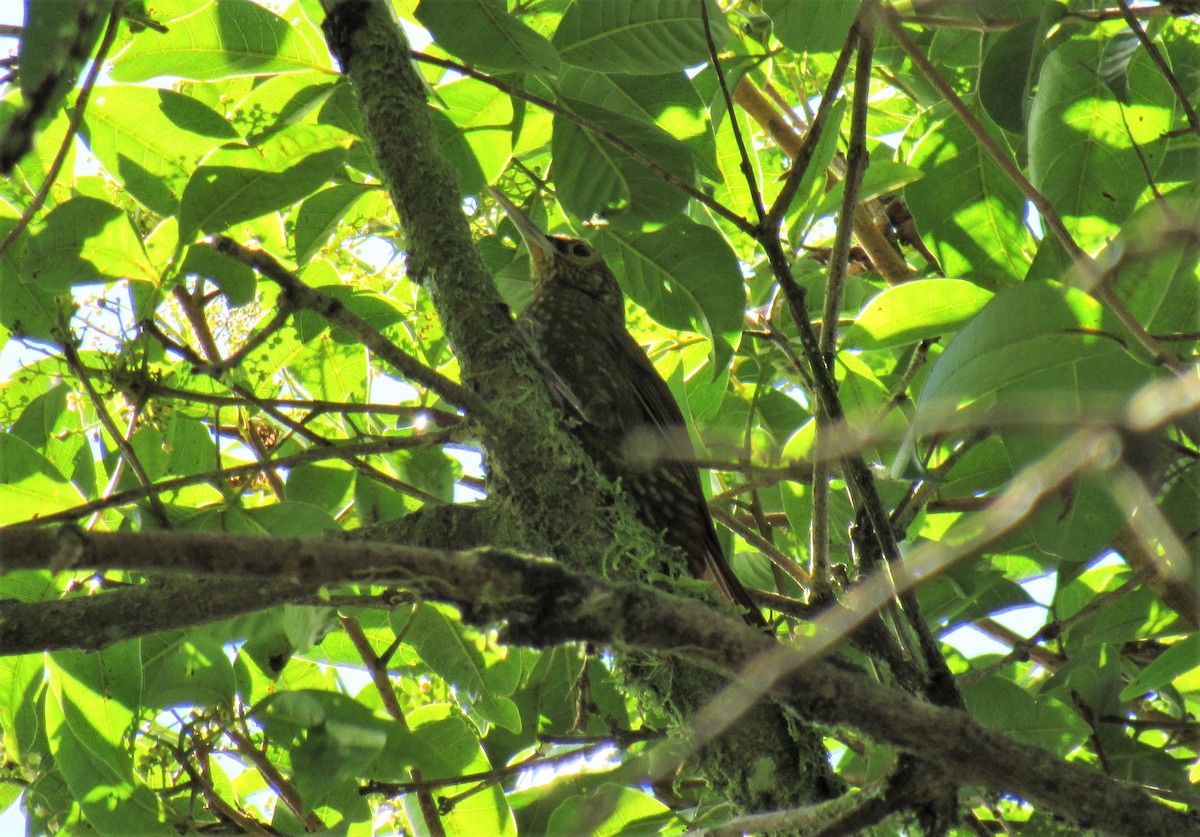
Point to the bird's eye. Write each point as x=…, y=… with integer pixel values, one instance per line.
x=580, y=250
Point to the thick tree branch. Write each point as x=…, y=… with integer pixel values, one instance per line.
x=543, y=603
x=90, y=623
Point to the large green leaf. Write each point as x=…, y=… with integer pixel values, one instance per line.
x=484, y=116
x=92, y=704
x=1090, y=153
x=87, y=240
x=685, y=275
x=52, y=45
x=812, y=25
x=612, y=810
x=21, y=681
x=320, y=215
x=594, y=178
x=221, y=39
x=915, y=311
x=332, y=738
x=1035, y=347
x=1044, y=722
x=186, y=670
x=1038, y=360
x=237, y=184
x=1155, y=264
x=483, y=33
x=669, y=101
x=449, y=747
x=637, y=36
x=1008, y=60
x=968, y=212
x=151, y=140
x=445, y=647
x=30, y=485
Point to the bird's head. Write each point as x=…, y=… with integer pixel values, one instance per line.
x=558, y=261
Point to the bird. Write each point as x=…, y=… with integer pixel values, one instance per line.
x=623, y=413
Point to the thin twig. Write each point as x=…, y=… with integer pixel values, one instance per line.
x=803, y=156
x=856, y=166
x=275, y=780
x=193, y=306
x=375, y=667
x=778, y=557
x=299, y=428
x=145, y=387
x=123, y=445
x=393, y=789
x=760, y=210
x=315, y=454
x=202, y=776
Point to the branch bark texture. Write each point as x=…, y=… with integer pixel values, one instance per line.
x=543, y=603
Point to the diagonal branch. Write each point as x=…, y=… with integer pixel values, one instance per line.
x=301, y=296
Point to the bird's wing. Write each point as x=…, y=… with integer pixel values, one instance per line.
x=666, y=447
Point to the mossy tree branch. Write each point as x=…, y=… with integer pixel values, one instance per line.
x=542, y=603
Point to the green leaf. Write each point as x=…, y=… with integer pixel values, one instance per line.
x=236, y=280
x=446, y=647
x=1009, y=59
x=449, y=747
x=1043, y=722
x=332, y=738
x=151, y=140
x=1089, y=153
x=812, y=25
x=220, y=39
x=969, y=591
x=29, y=484
x=685, y=275
x=484, y=116
x=90, y=710
x=593, y=178
x=612, y=810
x=969, y=212
x=52, y=424
x=321, y=214
x=915, y=311
x=459, y=154
x=52, y=45
x=879, y=179
x=87, y=240
x=278, y=101
x=669, y=101
x=237, y=184
x=732, y=189
x=811, y=191
x=483, y=33
x=1037, y=346
x=1038, y=359
x=190, y=670
x=638, y=36
x=1157, y=277
x=442, y=744
x=21, y=681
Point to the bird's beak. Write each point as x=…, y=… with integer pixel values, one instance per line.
x=541, y=248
